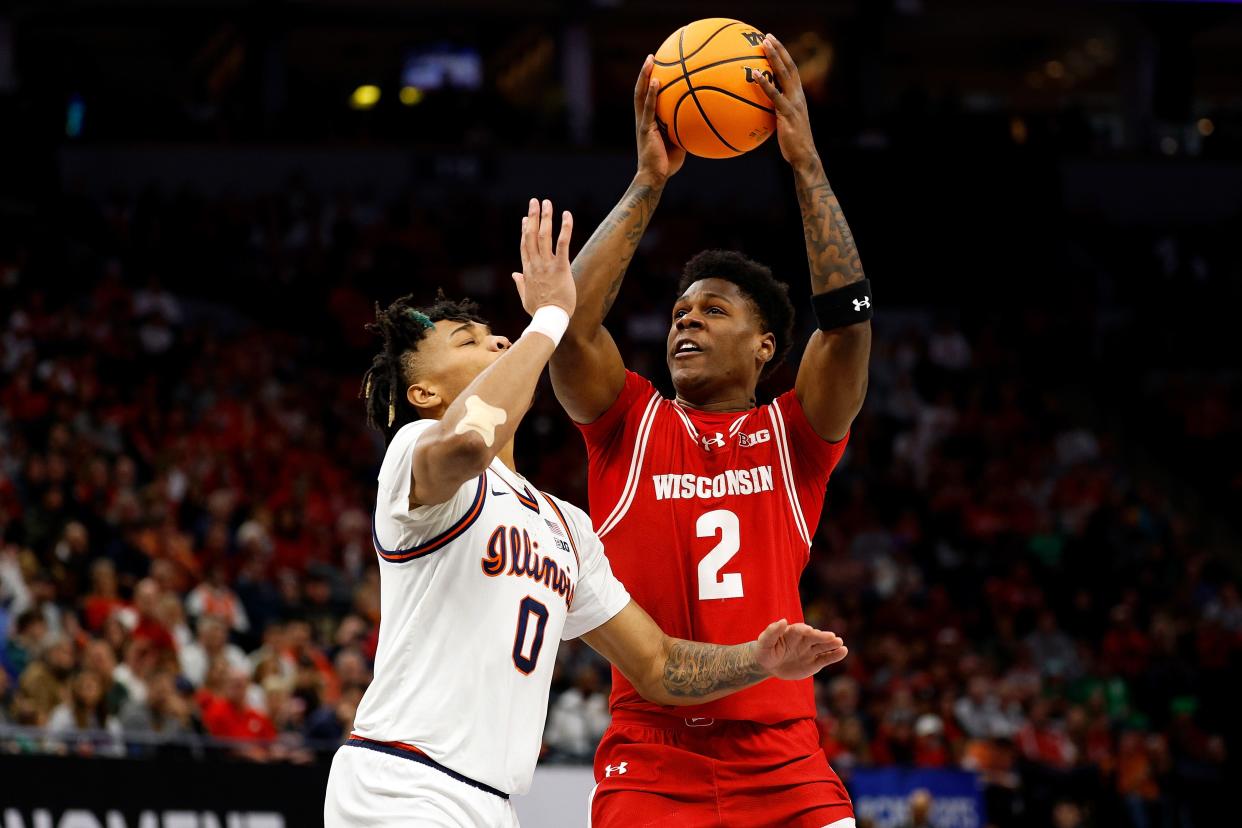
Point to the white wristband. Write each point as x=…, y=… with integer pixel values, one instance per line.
x=549, y=320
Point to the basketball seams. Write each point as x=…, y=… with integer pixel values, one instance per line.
x=681, y=37
x=734, y=95
x=703, y=68
x=701, y=47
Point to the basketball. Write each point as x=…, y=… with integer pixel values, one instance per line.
x=708, y=102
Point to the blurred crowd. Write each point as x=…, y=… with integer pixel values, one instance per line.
x=186, y=481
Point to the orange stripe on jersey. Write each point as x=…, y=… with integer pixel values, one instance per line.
x=568, y=532
x=526, y=499
x=439, y=541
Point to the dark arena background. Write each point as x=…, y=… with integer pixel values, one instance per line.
x=1032, y=545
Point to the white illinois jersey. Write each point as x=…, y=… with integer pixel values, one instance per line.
x=475, y=595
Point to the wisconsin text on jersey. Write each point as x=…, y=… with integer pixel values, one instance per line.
x=510, y=551
x=731, y=482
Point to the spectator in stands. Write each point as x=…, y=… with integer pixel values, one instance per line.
x=214, y=597
x=351, y=668
x=104, y=598
x=230, y=715
x=1041, y=739
x=578, y=717
x=45, y=683
x=1051, y=649
x=141, y=659
x=99, y=660
x=86, y=712
x=920, y=804
x=149, y=628
x=980, y=712
x=931, y=750
x=329, y=724
x=25, y=640
x=165, y=712
x=211, y=643
x=171, y=614
x=1069, y=814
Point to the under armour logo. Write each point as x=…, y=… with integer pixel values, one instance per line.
x=865, y=302
x=619, y=770
x=708, y=442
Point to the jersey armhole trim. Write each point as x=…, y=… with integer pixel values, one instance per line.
x=440, y=540
x=632, y=481
x=791, y=485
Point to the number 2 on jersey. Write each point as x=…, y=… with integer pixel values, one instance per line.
x=712, y=582
x=528, y=607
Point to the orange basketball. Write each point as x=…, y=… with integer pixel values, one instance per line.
x=708, y=102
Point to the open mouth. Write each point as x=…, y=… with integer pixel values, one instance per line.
x=685, y=348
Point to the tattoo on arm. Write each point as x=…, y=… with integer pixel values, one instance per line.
x=831, y=253
x=630, y=217
x=695, y=669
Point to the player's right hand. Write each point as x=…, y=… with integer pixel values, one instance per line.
x=796, y=651
x=546, y=278
x=656, y=155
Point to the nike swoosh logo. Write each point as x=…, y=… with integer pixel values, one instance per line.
x=498, y=493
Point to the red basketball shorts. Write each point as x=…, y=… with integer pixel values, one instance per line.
x=654, y=770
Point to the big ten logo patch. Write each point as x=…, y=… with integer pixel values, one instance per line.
x=748, y=440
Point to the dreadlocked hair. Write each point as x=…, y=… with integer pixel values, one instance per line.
x=403, y=326
x=769, y=295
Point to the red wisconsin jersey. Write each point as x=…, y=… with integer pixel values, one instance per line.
x=707, y=519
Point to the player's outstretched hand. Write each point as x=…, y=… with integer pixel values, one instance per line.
x=656, y=154
x=793, y=122
x=795, y=651
x=545, y=278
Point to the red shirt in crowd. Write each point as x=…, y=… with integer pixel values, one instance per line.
x=226, y=721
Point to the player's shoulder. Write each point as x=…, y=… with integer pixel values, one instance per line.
x=394, y=471
x=409, y=433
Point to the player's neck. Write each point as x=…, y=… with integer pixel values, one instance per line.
x=724, y=403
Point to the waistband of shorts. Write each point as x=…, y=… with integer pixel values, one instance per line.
x=414, y=754
x=662, y=721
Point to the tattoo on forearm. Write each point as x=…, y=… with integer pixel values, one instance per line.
x=631, y=217
x=831, y=253
x=695, y=669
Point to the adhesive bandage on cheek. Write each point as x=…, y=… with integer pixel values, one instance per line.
x=482, y=419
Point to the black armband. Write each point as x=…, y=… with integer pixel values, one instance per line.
x=844, y=306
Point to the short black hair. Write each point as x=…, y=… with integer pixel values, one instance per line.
x=403, y=325
x=769, y=295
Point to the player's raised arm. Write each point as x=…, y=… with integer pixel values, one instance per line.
x=832, y=380
x=673, y=671
x=484, y=416
x=587, y=371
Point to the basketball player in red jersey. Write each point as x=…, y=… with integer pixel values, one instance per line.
x=706, y=503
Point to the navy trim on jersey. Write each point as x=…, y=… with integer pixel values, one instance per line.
x=439, y=541
x=528, y=500
x=415, y=755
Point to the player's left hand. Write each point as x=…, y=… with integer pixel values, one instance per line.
x=793, y=122
x=795, y=651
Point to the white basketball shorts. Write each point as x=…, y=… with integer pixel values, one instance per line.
x=369, y=788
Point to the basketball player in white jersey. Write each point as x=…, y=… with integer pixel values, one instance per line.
x=482, y=575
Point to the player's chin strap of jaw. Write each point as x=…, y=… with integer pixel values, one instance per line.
x=847, y=305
